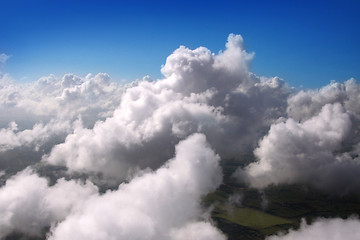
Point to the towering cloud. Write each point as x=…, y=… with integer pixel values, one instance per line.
x=201, y=92
x=128, y=134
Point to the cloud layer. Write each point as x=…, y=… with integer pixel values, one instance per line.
x=91, y=97
x=159, y=205
x=164, y=204
x=28, y=204
x=207, y=107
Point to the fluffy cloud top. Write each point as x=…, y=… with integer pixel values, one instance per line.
x=36, y=116
x=28, y=204
x=92, y=97
x=324, y=229
x=201, y=92
x=159, y=205
x=94, y=125
x=316, y=145
x=39, y=135
x=306, y=104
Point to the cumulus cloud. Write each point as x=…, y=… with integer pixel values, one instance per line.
x=201, y=92
x=39, y=135
x=306, y=104
x=94, y=97
x=164, y=204
x=28, y=204
x=214, y=94
x=92, y=125
x=316, y=145
x=36, y=116
x=324, y=229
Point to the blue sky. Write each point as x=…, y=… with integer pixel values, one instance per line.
x=306, y=43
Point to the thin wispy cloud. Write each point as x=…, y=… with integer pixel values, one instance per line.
x=3, y=58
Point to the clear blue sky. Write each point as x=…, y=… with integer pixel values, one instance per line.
x=306, y=43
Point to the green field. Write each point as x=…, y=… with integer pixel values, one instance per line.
x=257, y=214
x=253, y=218
x=285, y=206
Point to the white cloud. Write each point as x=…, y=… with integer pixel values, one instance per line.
x=92, y=124
x=46, y=111
x=164, y=204
x=306, y=104
x=93, y=98
x=39, y=135
x=3, y=58
x=28, y=204
x=214, y=94
x=201, y=92
x=197, y=231
x=324, y=229
x=159, y=205
x=295, y=152
x=316, y=145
